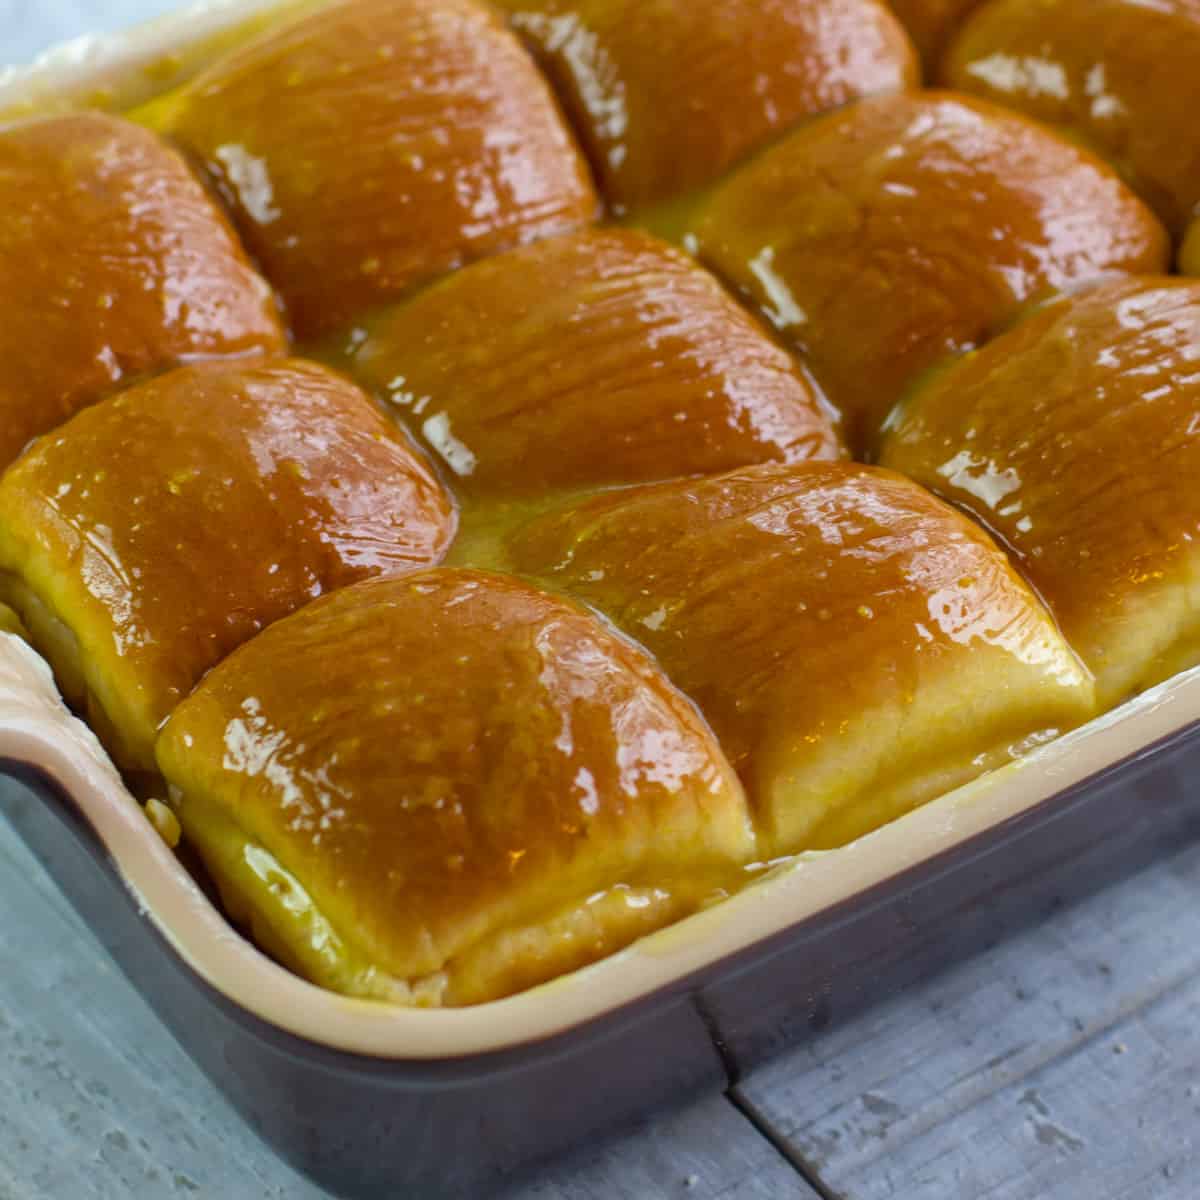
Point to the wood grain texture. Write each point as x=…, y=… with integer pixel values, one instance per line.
x=709, y=1151
x=96, y=1099
x=97, y=1102
x=1063, y=1063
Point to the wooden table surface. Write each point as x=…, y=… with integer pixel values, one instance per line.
x=1062, y=1064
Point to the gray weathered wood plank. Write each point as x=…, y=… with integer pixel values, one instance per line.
x=97, y=1102
x=707, y=1150
x=1064, y=1063
x=96, y=1099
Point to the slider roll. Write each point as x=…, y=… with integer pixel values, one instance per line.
x=157, y=531
x=1119, y=75
x=1076, y=438
x=858, y=646
x=371, y=146
x=667, y=96
x=115, y=264
x=906, y=229
x=592, y=360
x=478, y=788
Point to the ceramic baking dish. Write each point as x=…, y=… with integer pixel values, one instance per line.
x=373, y=1100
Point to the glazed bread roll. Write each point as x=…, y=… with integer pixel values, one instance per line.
x=904, y=229
x=1119, y=74
x=373, y=145
x=857, y=645
x=602, y=358
x=481, y=787
x=1076, y=437
x=930, y=23
x=667, y=95
x=114, y=263
x=155, y=532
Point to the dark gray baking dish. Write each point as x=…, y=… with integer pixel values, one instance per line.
x=378, y=1101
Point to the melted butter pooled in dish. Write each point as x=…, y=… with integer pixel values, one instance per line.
x=668, y=95
x=376, y=144
x=593, y=360
x=1076, y=437
x=905, y=229
x=11, y=623
x=481, y=788
x=114, y=263
x=858, y=646
x=1120, y=74
x=157, y=531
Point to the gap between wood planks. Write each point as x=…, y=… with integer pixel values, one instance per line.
x=781, y=1145
x=998, y=1071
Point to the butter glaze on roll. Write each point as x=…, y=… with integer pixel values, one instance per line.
x=602, y=358
x=114, y=263
x=479, y=788
x=857, y=645
x=1076, y=437
x=376, y=144
x=155, y=532
x=905, y=229
x=668, y=95
x=1120, y=74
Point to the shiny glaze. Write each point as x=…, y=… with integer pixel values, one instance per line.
x=905, y=229
x=930, y=23
x=114, y=263
x=169, y=524
x=857, y=645
x=1120, y=74
x=601, y=358
x=376, y=144
x=667, y=95
x=482, y=787
x=1076, y=437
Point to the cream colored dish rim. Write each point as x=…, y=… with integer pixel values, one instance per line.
x=36, y=729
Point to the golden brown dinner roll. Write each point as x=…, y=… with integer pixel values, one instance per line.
x=930, y=23
x=1120, y=74
x=904, y=229
x=857, y=645
x=478, y=788
x=1076, y=437
x=155, y=532
x=114, y=263
x=601, y=358
x=668, y=95
x=376, y=144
